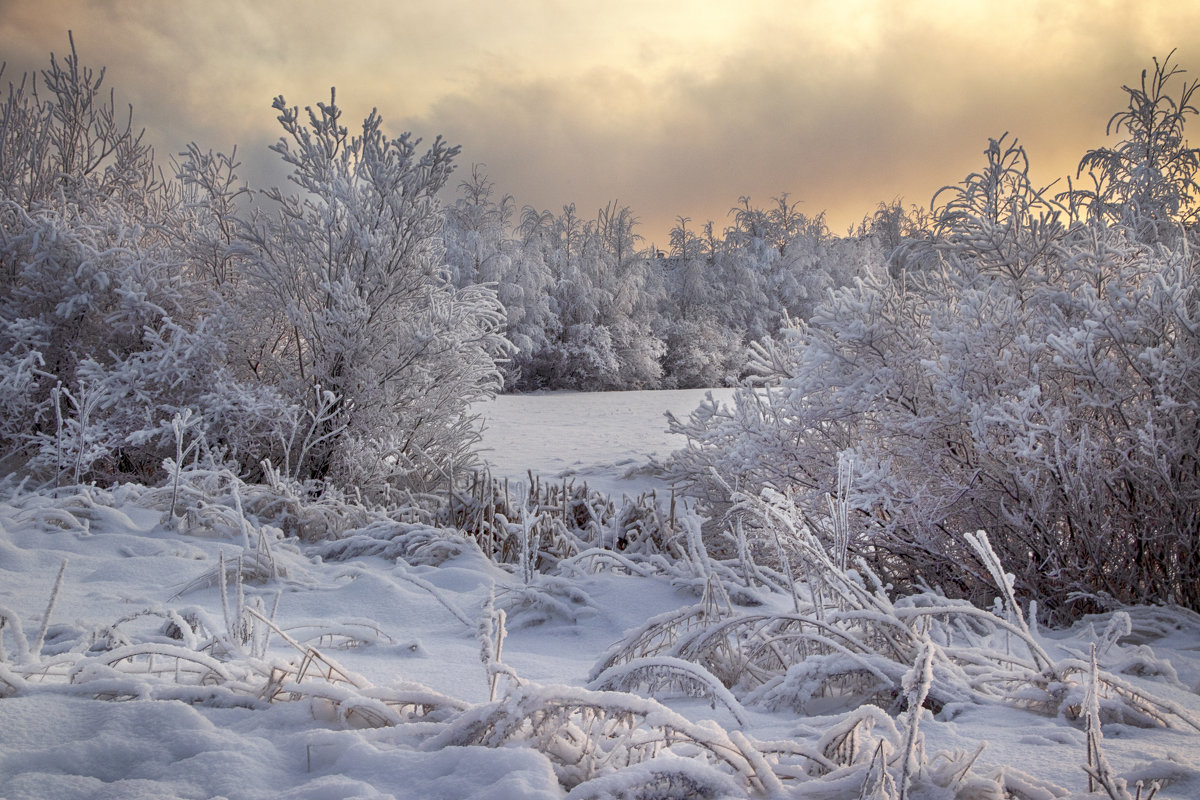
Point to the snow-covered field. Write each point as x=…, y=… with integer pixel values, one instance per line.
x=373, y=677
x=610, y=440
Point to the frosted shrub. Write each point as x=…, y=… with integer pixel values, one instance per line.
x=355, y=261
x=103, y=335
x=325, y=337
x=1148, y=181
x=1040, y=384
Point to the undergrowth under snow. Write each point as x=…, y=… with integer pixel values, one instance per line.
x=255, y=645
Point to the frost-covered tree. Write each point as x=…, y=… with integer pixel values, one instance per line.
x=90, y=290
x=901, y=233
x=355, y=258
x=477, y=231
x=481, y=247
x=777, y=264
x=700, y=352
x=627, y=291
x=702, y=348
x=1148, y=181
x=999, y=218
x=603, y=298
x=687, y=273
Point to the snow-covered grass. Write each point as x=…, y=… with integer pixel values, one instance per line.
x=256, y=645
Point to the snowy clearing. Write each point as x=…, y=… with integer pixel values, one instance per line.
x=211, y=656
x=610, y=440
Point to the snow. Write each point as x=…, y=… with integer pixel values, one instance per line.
x=610, y=440
x=77, y=721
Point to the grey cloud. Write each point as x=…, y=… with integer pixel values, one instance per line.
x=566, y=103
x=839, y=131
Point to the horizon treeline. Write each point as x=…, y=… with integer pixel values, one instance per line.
x=589, y=307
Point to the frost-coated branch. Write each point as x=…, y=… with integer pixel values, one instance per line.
x=36, y=649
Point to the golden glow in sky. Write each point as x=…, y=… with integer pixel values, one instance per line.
x=674, y=108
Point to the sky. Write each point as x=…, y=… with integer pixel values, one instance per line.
x=676, y=109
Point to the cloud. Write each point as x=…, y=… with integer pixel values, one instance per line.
x=677, y=108
x=894, y=105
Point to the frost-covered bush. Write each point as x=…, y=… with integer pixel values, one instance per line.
x=91, y=299
x=324, y=341
x=1040, y=383
x=355, y=260
x=111, y=322
x=1148, y=181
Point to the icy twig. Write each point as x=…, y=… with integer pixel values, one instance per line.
x=41, y=637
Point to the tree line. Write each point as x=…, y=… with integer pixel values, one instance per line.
x=589, y=307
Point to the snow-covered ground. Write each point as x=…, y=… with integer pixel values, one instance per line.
x=372, y=679
x=610, y=440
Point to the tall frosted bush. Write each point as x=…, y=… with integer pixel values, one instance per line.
x=355, y=258
x=1037, y=378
